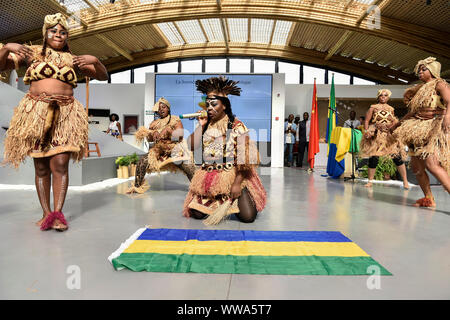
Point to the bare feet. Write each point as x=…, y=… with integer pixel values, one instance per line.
x=406, y=185
x=43, y=218
x=368, y=185
x=425, y=202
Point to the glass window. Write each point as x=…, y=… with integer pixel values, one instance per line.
x=357, y=80
x=309, y=73
x=191, y=66
x=216, y=65
x=291, y=71
x=139, y=73
x=339, y=78
x=121, y=77
x=97, y=81
x=264, y=66
x=170, y=67
x=240, y=65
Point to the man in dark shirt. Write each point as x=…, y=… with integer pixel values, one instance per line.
x=303, y=138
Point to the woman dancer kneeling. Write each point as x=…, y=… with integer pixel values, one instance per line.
x=227, y=182
x=170, y=152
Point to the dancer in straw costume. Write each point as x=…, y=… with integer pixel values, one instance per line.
x=377, y=140
x=426, y=128
x=227, y=182
x=49, y=125
x=170, y=152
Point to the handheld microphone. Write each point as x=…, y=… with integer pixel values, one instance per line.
x=202, y=114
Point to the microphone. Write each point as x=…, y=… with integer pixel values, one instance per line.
x=202, y=114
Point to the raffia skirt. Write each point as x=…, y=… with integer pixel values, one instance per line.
x=43, y=126
x=426, y=138
x=380, y=143
x=208, y=190
x=166, y=156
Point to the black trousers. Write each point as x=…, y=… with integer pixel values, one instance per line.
x=302, y=146
x=373, y=161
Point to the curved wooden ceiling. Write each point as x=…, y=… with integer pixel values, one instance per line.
x=338, y=34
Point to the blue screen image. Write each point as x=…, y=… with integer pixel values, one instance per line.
x=253, y=107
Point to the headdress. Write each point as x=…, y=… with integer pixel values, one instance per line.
x=431, y=64
x=156, y=106
x=52, y=20
x=380, y=92
x=219, y=85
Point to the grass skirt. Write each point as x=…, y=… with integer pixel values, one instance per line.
x=425, y=138
x=208, y=190
x=43, y=126
x=381, y=143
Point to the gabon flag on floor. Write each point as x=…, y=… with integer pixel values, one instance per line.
x=313, y=147
x=243, y=252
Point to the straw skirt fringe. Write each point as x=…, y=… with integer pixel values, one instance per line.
x=43, y=126
x=425, y=138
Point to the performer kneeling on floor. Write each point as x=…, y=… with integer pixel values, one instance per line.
x=170, y=152
x=426, y=128
x=227, y=182
x=49, y=124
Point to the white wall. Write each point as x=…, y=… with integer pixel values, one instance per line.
x=299, y=96
x=122, y=99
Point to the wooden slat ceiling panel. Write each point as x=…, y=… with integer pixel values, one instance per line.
x=385, y=52
x=136, y=39
x=31, y=16
x=316, y=37
x=435, y=15
x=92, y=46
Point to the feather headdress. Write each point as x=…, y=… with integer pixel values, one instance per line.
x=220, y=85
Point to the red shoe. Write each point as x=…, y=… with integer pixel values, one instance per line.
x=50, y=219
x=60, y=216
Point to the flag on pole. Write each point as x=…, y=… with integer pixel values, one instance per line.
x=332, y=118
x=313, y=147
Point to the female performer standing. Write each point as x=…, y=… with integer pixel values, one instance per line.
x=49, y=124
x=114, y=128
x=426, y=128
x=227, y=182
x=378, y=141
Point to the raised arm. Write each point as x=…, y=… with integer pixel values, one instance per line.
x=369, y=115
x=195, y=139
x=444, y=91
x=91, y=66
x=20, y=55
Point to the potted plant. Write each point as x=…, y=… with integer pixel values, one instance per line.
x=134, y=159
x=123, y=170
x=385, y=170
x=118, y=167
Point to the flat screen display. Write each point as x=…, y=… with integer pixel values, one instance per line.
x=253, y=107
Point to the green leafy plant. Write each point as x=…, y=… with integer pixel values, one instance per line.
x=134, y=158
x=123, y=161
x=386, y=166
